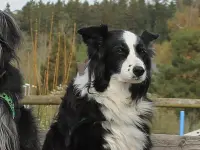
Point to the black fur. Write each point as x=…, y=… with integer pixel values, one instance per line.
x=27, y=130
x=69, y=132
x=78, y=125
x=11, y=83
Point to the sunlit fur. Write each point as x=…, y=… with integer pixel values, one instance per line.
x=19, y=133
x=106, y=108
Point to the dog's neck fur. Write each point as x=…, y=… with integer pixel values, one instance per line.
x=122, y=113
x=8, y=131
x=8, y=128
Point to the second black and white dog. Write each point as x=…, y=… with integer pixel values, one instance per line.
x=106, y=108
x=18, y=129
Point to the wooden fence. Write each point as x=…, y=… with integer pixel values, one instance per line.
x=159, y=102
x=174, y=142
x=160, y=141
x=166, y=142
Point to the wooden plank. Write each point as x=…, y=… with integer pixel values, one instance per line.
x=159, y=102
x=167, y=142
x=174, y=142
x=42, y=100
x=177, y=102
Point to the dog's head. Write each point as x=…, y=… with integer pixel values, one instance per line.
x=9, y=38
x=117, y=54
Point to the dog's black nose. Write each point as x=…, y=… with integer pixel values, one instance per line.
x=138, y=71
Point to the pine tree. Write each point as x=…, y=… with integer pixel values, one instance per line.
x=134, y=15
x=181, y=78
x=120, y=14
x=7, y=9
x=61, y=66
x=131, y=15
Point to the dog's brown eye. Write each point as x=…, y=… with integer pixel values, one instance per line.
x=119, y=50
x=140, y=49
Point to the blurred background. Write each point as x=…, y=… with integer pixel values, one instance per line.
x=51, y=52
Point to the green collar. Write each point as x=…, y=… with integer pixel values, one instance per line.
x=9, y=101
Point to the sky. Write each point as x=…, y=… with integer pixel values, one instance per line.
x=17, y=4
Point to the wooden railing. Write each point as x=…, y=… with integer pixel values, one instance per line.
x=160, y=141
x=159, y=102
x=165, y=142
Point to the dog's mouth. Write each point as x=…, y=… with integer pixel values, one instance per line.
x=132, y=79
x=136, y=78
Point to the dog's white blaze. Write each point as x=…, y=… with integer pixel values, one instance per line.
x=132, y=60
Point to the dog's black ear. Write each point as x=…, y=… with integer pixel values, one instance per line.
x=93, y=35
x=9, y=31
x=148, y=37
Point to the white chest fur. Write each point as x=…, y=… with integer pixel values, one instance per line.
x=122, y=115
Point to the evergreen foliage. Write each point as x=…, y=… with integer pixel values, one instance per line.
x=177, y=22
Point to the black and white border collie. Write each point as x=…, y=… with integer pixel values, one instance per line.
x=18, y=130
x=106, y=108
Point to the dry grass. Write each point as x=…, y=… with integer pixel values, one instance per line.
x=26, y=57
x=166, y=121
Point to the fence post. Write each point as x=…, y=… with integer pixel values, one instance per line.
x=182, y=122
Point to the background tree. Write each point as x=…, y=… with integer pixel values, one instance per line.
x=7, y=9
x=166, y=17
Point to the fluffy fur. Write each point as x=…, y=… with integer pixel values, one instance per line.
x=106, y=108
x=19, y=133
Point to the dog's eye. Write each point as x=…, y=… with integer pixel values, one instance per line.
x=119, y=50
x=140, y=49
